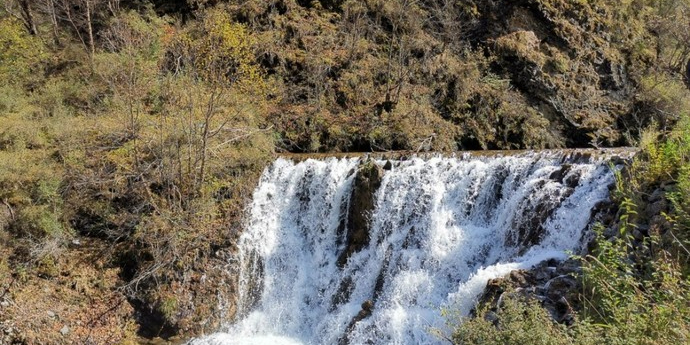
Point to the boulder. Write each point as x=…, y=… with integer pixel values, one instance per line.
x=552, y=283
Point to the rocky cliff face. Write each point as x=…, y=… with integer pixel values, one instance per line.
x=372, y=75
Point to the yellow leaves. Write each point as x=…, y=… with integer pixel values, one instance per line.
x=133, y=35
x=220, y=52
x=669, y=96
x=13, y=34
x=18, y=51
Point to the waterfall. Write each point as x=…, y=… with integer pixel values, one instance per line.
x=439, y=229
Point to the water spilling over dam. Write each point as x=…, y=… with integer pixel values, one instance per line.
x=436, y=230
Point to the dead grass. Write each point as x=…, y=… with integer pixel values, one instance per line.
x=82, y=297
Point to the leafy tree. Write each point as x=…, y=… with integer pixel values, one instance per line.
x=20, y=53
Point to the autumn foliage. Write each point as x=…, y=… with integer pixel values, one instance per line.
x=137, y=129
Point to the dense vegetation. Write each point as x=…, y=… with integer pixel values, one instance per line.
x=132, y=133
x=635, y=284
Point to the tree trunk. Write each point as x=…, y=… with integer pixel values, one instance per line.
x=70, y=18
x=687, y=74
x=54, y=22
x=114, y=7
x=28, y=16
x=89, y=25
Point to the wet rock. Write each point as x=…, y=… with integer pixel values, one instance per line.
x=560, y=286
x=561, y=311
x=559, y=291
x=529, y=231
x=560, y=174
x=569, y=266
x=552, y=283
x=572, y=180
x=366, y=311
x=366, y=184
x=520, y=277
x=380, y=278
x=495, y=288
x=343, y=294
x=367, y=306
x=616, y=160
x=545, y=273
x=492, y=292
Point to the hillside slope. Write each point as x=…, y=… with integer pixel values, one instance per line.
x=132, y=132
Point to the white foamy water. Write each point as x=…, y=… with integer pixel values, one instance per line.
x=440, y=229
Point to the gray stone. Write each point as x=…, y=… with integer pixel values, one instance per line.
x=543, y=274
x=491, y=316
x=568, y=266
x=64, y=330
x=657, y=195
x=560, y=286
x=612, y=231
x=638, y=235
x=669, y=186
x=656, y=207
x=51, y=313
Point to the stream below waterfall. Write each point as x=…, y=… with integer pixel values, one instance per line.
x=440, y=228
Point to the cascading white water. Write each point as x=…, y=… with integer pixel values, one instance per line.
x=440, y=229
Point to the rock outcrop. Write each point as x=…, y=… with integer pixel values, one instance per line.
x=554, y=284
x=366, y=183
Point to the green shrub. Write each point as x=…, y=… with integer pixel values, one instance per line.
x=520, y=321
x=636, y=289
x=168, y=307
x=12, y=100
x=50, y=99
x=18, y=133
x=38, y=222
x=622, y=306
x=641, y=299
x=20, y=53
